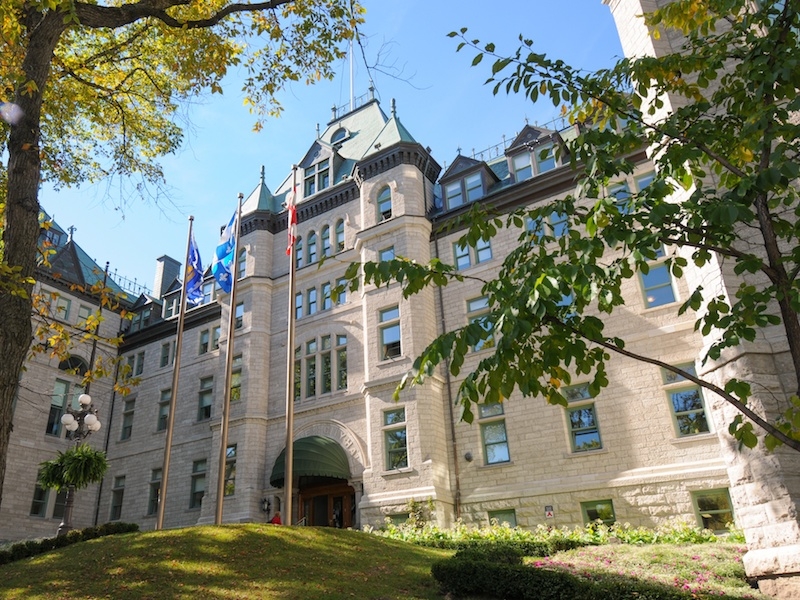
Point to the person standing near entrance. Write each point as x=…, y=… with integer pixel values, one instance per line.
x=276, y=520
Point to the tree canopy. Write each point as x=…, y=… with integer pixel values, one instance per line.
x=724, y=197
x=104, y=90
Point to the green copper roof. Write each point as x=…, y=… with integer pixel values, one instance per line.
x=313, y=456
x=260, y=198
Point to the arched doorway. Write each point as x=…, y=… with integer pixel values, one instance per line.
x=324, y=497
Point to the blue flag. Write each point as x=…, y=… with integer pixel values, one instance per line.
x=222, y=266
x=194, y=275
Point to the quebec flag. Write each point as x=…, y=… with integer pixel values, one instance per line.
x=223, y=256
x=194, y=275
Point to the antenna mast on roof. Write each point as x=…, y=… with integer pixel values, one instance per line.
x=352, y=93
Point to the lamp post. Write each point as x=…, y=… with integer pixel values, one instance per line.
x=79, y=424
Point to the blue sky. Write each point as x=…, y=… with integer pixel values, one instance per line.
x=444, y=105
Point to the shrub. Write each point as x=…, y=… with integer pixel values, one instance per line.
x=493, y=553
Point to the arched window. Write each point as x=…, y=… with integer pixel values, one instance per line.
x=312, y=248
x=384, y=204
x=339, y=135
x=326, y=241
x=298, y=253
x=65, y=392
x=339, y=233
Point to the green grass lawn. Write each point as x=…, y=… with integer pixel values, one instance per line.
x=258, y=561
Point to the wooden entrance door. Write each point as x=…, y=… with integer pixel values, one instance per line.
x=328, y=505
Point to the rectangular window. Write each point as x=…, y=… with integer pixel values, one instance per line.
x=198, y=489
x=139, y=368
x=205, y=398
x=535, y=228
x=644, y=180
x=215, y=338
x=341, y=362
x=127, y=419
x=163, y=409
x=559, y=223
x=117, y=494
x=453, y=194
x=155, y=492
x=385, y=204
x=714, y=510
x=598, y=510
x=230, y=470
x=503, y=517
x=239, y=316
x=327, y=303
x=60, y=504
x=57, y=404
x=390, y=332
x=311, y=369
x=170, y=307
x=462, y=257
x=493, y=433
x=394, y=435
x=310, y=182
x=545, y=159
x=341, y=288
x=686, y=402
x=209, y=292
x=298, y=305
x=84, y=312
x=477, y=312
x=167, y=354
x=327, y=365
x=236, y=378
x=621, y=194
x=386, y=254
x=241, y=267
x=483, y=251
x=204, y=341
x=311, y=295
x=339, y=235
x=522, y=167
x=39, y=502
x=298, y=381
x=474, y=185
x=62, y=308
x=583, y=427
x=657, y=286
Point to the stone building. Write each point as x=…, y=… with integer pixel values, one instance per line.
x=50, y=384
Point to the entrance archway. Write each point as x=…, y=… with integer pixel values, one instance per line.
x=322, y=470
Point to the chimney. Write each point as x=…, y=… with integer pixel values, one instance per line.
x=167, y=270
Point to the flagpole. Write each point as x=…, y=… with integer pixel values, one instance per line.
x=176, y=369
x=289, y=468
x=223, y=440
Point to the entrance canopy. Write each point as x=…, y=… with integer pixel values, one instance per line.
x=313, y=456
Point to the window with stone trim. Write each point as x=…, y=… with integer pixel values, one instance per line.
x=230, y=470
x=503, y=517
x=239, y=316
x=39, y=502
x=128, y=408
x=686, y=402
x=395, y=438
x=386, y=254
x=198, y=485
x=205, y=341
x=205, y=398
x=64, y=392
x=466, y=256
x=311, y=368
x=311, y=248
x=316, y=178
x=584, y=429
x=236, y=378
x=298, y=305
x=164, y=399
x=384, y=203
x=598, y=510
x=167, y=354
x=713, y=509
x=326, y=300
x=215, y=333
x=311, y=301
x=154, y=493
x=493, y=433
x=656, y=281
x=339, y=236
x=389, y=319
x=117, y=497
x=325, y=238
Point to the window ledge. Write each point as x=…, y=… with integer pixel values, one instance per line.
x=497, y=465
x=586, y=453
x=394, y=472
x=393, y=360
x=668, y=305
x=696, y=437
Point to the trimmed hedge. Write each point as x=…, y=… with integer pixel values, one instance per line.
x=496, y=571
x=30, y=548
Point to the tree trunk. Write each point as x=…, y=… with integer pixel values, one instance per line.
x=21, y=232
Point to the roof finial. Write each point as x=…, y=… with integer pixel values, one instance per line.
x=333, y=112
x=317, y=130
x=371, y=91
x=458, y=150
x=72, y=229
x=394, y=109
x=262, y=174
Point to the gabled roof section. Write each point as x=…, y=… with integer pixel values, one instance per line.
x=260, y=198
x=460, y=164
x=529, y=136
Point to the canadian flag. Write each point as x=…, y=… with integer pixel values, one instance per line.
x=292, y=228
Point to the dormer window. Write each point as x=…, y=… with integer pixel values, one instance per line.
x=542, y=157
x=522, y=167
x=471, y=188
x=339, y=135
x=316, y=178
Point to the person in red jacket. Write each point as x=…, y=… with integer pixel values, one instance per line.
x=276, y=520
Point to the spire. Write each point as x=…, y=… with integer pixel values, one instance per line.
x=262, y=174
x=394, y=109
x=72, y=229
